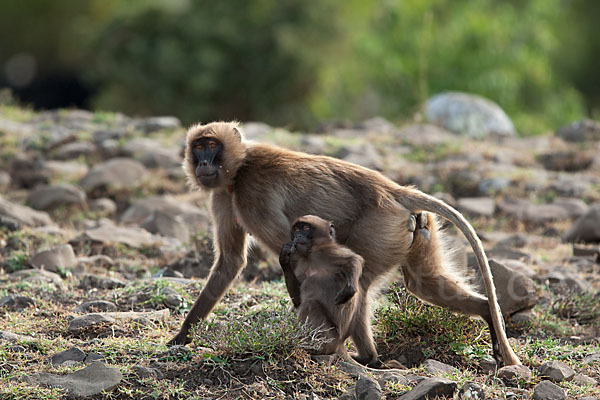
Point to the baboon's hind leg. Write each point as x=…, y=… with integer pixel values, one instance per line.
x=432, y=278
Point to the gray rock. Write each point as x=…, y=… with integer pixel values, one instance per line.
x=196, y=219
x=514, y=374
x=72, y=354
x=37, y=276
x=435, y=367
x=569, y=161
x=74, y=150
x=587, y=227
x=155, y=124
x=523, y=318
x=352, y=369
x=165, y=224
x=256, y=130
x=563, y=282
x=546, y=390
x=90, y=358
x=592, y=358
x=517, y=240
x=580, y=131
x=13, y=337
x=488, y=364
x=468, y=114
x=95, y=306
x=584, y=380
x=15, y=302
x=147, y=373
x=430, y=388
x=87, y=382
x=152, y=153
x=556, y=371
x=116, y=173
x=66, y=169
x=23, y=215
x=87, y=321
x=172, y=298
x=100, y=282
x=569, y=187
x=471, y=391
x=529, y=212
x=387, y=376
x=367, y=389
x=575, y=208
x=477, y=206
x=57, y=257
x=107, y=233
x=50, y=197
x=103, y=205
x=362, y=154
x=515, y=291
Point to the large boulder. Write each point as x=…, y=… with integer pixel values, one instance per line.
x=468, y=114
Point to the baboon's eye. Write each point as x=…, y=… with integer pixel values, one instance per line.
x=212, y=144
x=296, y=229
x=306, y=227
x=198, y=146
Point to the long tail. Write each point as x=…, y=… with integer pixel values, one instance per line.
x=415, y=200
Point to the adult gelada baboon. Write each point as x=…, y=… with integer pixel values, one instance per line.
x=322, y=279
x=261, y=189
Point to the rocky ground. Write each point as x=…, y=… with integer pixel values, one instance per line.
x=103, y=249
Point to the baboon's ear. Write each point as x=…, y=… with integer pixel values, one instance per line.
x=331, y=230
x=237, y=133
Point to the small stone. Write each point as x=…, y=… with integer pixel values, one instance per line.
x=14, y=302
x=556, y=371
x=570, y=161
x=74, y=150
x=103, y=205
x=154, y=124
x=37, y=276
x=586, y=228
x=580, y=131
x=90, y=358
x=471, y=391
x=592, y=358
x=165, y=224
x=172, y=298
x=547, y=390
x=517, y=240
x=73, y=354
x=584, y=380
x=95, y=306
x=87, y=321
x=488, y=364
x=367, y=389
x=100, y=282
x=147, y=373
x=55, y=258
x=430, y=388
x=116, y=173
x=87, y=382
x=514, y=374
x=435, y=367
x=23, y=215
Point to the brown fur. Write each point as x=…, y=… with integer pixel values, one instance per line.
x=318, y=276
x=263, y=189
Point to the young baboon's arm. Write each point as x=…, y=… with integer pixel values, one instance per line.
x=352, y=272
x=288, y=264
x=230, y=258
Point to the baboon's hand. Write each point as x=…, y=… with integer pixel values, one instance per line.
x=286, y=252
x=345, y=294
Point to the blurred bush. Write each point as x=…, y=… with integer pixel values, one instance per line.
x=293, y=62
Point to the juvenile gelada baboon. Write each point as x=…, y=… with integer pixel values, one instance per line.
x=261, y=189
x=322, y=279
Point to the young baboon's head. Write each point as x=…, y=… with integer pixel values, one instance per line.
x=213, y=154
x=310, y=229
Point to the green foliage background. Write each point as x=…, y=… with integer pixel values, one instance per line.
x=294, y=62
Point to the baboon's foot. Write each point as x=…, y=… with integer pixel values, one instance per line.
x=418, y=224
x=369, y=361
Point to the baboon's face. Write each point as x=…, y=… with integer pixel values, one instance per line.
x=208, y=158
x=302, y=237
